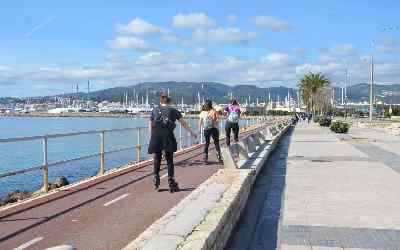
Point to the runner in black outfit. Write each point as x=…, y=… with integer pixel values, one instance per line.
x=162, y=125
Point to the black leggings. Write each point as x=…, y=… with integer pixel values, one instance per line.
x=214, y=133
x=169, y=156
x=230, y=126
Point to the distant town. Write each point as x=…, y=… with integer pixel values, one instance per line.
x=141, y=98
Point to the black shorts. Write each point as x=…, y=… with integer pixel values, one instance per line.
x=162, y=139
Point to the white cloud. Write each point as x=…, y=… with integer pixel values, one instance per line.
x=343, y=50
x=153, y=58
x=200, y=51
x=198, y=65
x=5, y=68
x=140, y=27
x=223, y=36
x=150, y=58
x=192, y=20
x=49, y=69
x=388, y=45
x=331, y=68
x=276, y=57
x=129, y=42
x=171, y=39
x=270, y=22
x=232, y=18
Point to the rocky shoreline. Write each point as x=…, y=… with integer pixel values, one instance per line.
x=17, y=195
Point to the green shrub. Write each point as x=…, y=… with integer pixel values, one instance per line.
x=316, y=119
x=324, y=122
x=340, y=127
x=279, y=113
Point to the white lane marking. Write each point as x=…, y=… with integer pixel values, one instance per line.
x=29, y=243
x=115, y=200
x=162, y=177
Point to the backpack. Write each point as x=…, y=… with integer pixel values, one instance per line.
x=233, y=115
x=162, y=118
x=208, y=122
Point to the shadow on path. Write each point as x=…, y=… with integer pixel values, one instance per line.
x=258, y=227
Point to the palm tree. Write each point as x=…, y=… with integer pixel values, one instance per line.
x=312, y=87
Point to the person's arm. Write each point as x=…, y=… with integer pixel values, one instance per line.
x=186, y=126
x=150, y=126
x=226, y=112
x=151, y=122
x=200, y=122
x=216, y=115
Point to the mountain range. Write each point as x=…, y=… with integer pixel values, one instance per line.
x=219, y=92
x=189, y=91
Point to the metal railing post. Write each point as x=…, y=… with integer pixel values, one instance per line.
x=102, y=154
x=180, y=136
x=45, y=166
x=138, y=146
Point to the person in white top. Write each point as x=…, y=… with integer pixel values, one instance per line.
x=209, y=123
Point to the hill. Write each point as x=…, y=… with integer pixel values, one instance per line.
x=189, y=91
x=218, y=92
x=360, y=92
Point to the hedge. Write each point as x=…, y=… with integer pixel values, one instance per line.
x=340, y=127
x=324, y=122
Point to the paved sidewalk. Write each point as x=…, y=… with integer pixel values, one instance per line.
x=322, y=191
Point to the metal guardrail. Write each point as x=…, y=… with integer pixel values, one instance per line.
x=102, y=152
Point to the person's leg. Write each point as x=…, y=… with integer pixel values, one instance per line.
x=169, y=157
x=207, y=137
x=215, y=136
x=173, y=185
x=236, y=132
x=156, y=171
x=228, y=129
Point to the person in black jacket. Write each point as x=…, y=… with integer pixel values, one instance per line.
x=162, y=139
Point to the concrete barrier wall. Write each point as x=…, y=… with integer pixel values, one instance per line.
x=205, y=219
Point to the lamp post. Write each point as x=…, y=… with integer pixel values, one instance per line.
x=345, y=94
x=371, y=105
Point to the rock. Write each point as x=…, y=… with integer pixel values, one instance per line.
x=52, y=186
x=17, y=195
x=61, y=181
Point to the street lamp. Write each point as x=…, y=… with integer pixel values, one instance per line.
x=371, y=89
x=371, y=105
x=345, y=94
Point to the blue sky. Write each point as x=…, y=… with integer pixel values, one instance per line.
x=48, y=46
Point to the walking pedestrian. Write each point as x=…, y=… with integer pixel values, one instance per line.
x=209, y=123
x=309, y=117
x=232, y=121
x=162, y=139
